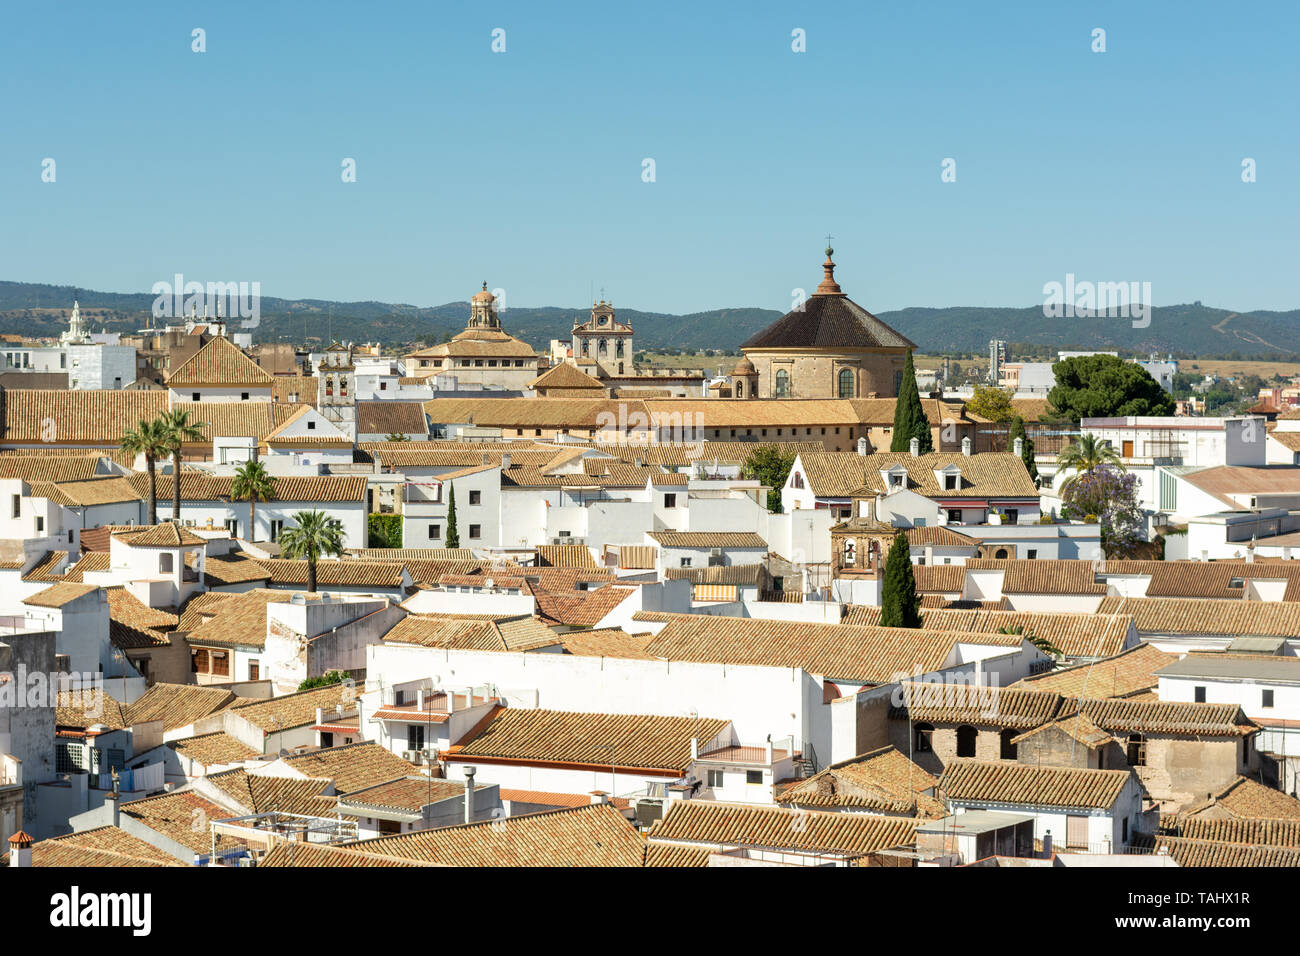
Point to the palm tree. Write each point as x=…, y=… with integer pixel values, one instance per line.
x=148, y=438
x=179, y=430
x=1085, y=455
x=315, y=533
x=252, y=484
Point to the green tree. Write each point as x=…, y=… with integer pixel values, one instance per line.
x=252, y=484
x=1026, y=448
x=909, y=416
x=148, y=438
x=324, y=680
x=1103, y=386
x=992, y=403
x=771, y=466
x=180, y=430
x=899, y=604
x=384, y=531
x=396, y=436
x=314, y=534
x=1085, y=455
x=453, y=535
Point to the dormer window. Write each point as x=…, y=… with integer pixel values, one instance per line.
x=951, y=482
x=896, y=478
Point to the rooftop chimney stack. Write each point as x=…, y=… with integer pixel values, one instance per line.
x=469, y=793
x=914, y=447
x=1019, y=447
x=966, y=446
x=695, y=748
x=1047, y=845
x=862, y=447
x=599, y=797
x=20, y=849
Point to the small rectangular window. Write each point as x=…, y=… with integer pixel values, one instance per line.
x=18, y=506
x=753, y=776
x=670, y=501
x=715, y=778
x=194, y=396
x=1266, y=698
x=474, y=530
x=1200, y=695
x=435, y=531
x=243, y=396
x=476, y=497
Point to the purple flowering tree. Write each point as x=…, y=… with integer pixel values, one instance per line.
x=1109, y=496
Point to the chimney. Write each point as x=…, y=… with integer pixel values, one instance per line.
x=114, y=800
x=20, y=849
x=862, y=446
x=767, y=750
x=419, y=699
x=320, y=715
x=451, y=701
x=914, y=447
x=966, y=446
x=695, y=748
x=505, y=462
x=1018, y=446
x=1047, y=845
x=469, y=793
x=599, y=797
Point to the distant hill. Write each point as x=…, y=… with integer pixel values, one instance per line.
x=41, y=310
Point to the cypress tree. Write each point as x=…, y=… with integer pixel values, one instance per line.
x=899, y=605
x=1026, y=450
x=909, y=417
x=453, y=536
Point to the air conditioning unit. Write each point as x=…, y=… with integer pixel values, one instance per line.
x=413, y=756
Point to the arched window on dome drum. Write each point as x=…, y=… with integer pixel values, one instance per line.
x=846, y=383
x=782, y=384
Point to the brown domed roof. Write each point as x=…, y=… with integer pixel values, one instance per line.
x=484, y=296
x=829, y=319
x=744, y=367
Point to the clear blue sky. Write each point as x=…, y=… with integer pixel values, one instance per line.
x=524, y=168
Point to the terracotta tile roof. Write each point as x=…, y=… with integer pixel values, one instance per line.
x=939, y=578
x=551, y=736
x=636, y=557
x=592, y=835
x=547, y=798
x=572, y=608
x=976, y=781
x=565, y=556
x=738, y=574
x=236, y=620
x=88, y=708
x=606, y=642
x=179, y=705
x=939, y=536
x=674, y=855
x=221, y=363
x=828, y=321
x=979, y=705
x=1074, y=634
x=133, y=624
x=528, y=412
x=1208, y=616
x=477, y=634
x=196, y=486
x=707, y=539
x=1042, y=577
x=202, y=606
x=1260, y=831
x=390, y=417
x=48, y=567
x=843, y=474
x=1246, y=799
x=883, y=781
x=286, y=854
x=215, y=749
x=942, y=603
x=1224, y=481
x=82, y=415
x=353, y=767
x=103, y=846
x=1121, y=675
x=336, y=573
x=566, y=376
x=1206, y=579
x=1128, y=716
x=711, y=823
x=59, y=595
x=723, y=452
x=303, y=386
x=97, y=491
x=1202, y=853
x=262, y=793
x=413, y=554
x=1076, y=726
x=871, y=655
x=407, y=794
x=91, y=561
x=227, y=569
x=183, y=817
x=48, y=468
x=294, y=710
x=168, y=534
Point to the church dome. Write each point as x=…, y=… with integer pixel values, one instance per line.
x=744, y=367
x=484, y=295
